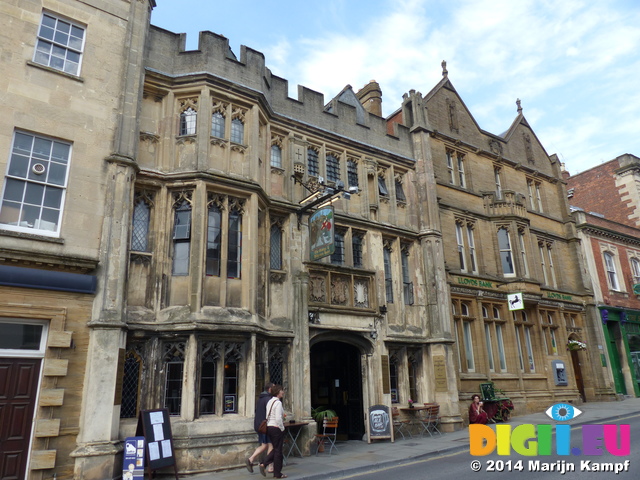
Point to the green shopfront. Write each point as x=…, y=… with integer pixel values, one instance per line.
x=622, y=334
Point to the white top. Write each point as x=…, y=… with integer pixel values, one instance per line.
x=275, y=418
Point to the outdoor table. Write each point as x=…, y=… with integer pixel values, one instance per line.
x=293, y=432
x=417, y=411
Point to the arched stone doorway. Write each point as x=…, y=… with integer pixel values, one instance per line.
x=336, y=383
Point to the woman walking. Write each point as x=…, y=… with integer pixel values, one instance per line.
x=275, y=431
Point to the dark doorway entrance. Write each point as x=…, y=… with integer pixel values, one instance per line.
x=336, y=383
x=577, y=371
x=18, y=389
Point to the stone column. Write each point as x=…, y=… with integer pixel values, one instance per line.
x=97, y=441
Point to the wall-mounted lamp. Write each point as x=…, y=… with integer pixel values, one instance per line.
x=383, y=309
x=314, y=317
x=373, y=333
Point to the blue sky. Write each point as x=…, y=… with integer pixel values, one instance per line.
x=575, y=64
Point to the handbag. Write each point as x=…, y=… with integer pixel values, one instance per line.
x=262, y=428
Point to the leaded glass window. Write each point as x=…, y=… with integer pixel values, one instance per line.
x=313, y=167
x=217, y=125
x=131, y=385
x=188, y=122
x=140, y=225
x=276, y=156
x=237, y=131
x=337, y=257
x=356, y=246
x=276, y=247
x=174, y=368
x=352, y=173
x=333, y=168
x=234, y=252
x=214, y=239
x=388, y=278
x=181, y=238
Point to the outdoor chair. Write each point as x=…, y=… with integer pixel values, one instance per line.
x=430, y=420
x=328, y=435
x=400, y=426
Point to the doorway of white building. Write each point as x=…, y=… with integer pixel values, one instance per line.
x=22, y=344
x=18, y=392
x=336, y=383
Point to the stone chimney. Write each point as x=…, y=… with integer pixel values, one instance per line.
x=370, y=97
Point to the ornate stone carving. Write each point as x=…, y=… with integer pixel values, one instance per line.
x=453, y=115
x=495, y=146
x=361, y=293
x=339, y=290
x=149, y=137
x=237, y=204
x=527, y=147
x=186, y=103
x=186, y=139
x=236, y=147
x=182, y=196
x=317, y=288
x=215, y=199
x=221, y=142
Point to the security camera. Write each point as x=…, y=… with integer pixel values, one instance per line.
x=354, y=190
x=321, y=180
x=340, y=185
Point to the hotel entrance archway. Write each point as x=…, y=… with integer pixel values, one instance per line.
x=336, y=383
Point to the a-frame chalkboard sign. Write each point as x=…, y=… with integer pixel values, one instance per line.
x=155, y=427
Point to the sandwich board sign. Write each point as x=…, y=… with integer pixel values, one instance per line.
x=515, y=301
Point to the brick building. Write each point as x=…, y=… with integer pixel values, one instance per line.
x=606, y=200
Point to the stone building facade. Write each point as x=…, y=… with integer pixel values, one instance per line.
x=221, y=290
x=505, y=217
x=67, y=130
x=606, y=199
x=165, y=259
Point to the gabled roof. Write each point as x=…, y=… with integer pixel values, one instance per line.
x=348, y=97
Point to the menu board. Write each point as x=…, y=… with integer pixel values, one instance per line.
x=379, y=422
x=155, y=426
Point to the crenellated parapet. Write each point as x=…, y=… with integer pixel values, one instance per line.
x=166, y=56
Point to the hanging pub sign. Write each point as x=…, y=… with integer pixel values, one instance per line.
x=321, y=233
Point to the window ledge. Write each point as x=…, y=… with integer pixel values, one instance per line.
x=277, y=170
x=55, y=70
x=278, y=276
x=31, y=236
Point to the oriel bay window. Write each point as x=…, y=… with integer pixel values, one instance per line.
x=275, y=244
x=221, y=210
x=407, y=284
x=142, y=204
x=234, y=250
x=388, y=275
x=173, y=360
x=181, y=233
x=506, y=255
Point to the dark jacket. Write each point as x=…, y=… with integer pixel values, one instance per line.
x=261, y=409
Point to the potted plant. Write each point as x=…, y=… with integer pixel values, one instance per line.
x=410, y=402
x=319, y=414
x=574, y=345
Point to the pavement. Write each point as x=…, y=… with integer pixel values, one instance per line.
x=358, y=457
